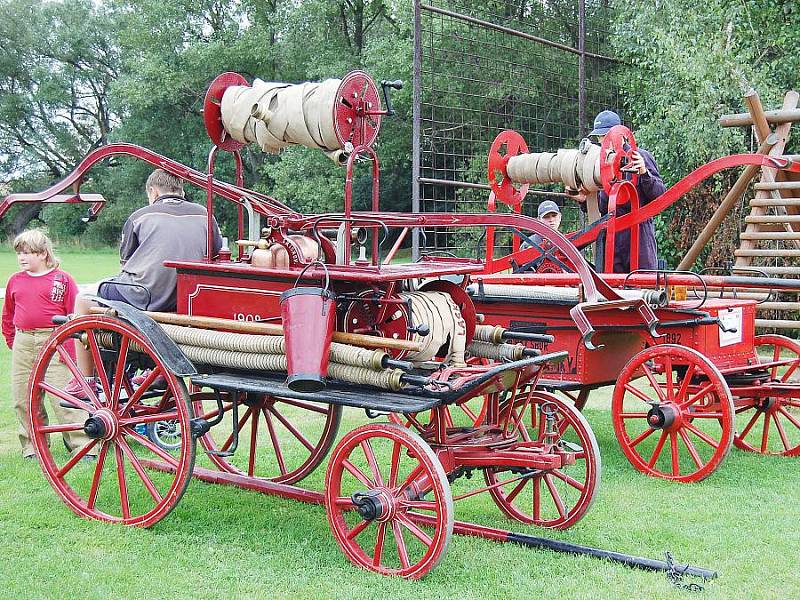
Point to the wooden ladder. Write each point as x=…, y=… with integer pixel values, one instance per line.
x=770, y=242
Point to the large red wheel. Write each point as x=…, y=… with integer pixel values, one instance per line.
x=556, y=498
x=280, y=439
x=673, y=413
x=382, y=480
x=770, y=424
x=117, y=487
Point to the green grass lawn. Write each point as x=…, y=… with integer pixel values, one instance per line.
x=86, y=266
x=222, y=542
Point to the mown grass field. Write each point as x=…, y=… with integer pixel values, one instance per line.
x=220, y=542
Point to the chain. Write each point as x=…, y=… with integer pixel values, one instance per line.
x=676, y=573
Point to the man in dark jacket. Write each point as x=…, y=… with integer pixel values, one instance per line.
x=650, y=186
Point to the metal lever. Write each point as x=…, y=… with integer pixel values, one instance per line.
x=397, y=84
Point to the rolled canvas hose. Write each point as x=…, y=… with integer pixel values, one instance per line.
x=575, y=168
x=276, y=115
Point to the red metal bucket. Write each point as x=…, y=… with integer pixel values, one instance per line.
x=309, y=316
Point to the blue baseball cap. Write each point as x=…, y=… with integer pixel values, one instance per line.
x=547, y=207
x=605, y=121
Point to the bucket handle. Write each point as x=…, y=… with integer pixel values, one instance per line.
x=324, y=268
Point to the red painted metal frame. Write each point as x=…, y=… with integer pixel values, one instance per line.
x=261, y=203
x=97, y=201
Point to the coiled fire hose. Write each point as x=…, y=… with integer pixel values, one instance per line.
x=441, y=314
x=499, y=352
x=276, y=115
x=265, y=353
x=575, y=168
x=387, y=378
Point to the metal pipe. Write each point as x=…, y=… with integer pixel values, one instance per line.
x=513, y=32
x=365, y=341
x=291, y=492
x=647, y=280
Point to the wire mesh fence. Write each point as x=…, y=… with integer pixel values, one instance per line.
x=535, y=66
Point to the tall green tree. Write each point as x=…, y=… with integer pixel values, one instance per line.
x=57, y=64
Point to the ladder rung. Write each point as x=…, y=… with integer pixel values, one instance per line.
x=775, y=202
x=770, y=235
x=769, y=253
x=778, y=323
x=778, y=185
x=772, y=219
x=779, y=306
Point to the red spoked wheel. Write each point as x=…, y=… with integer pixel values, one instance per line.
x=117, y=487
x=280, y=439
x=383, y=482
x=556, y=498
x=615, y=152
x=673, y=413
x=509, y=143
x=770, y=423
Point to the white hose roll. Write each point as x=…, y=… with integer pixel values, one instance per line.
x=496, y=351
x=268, y=344
x=572, y=168
x=275, y=115
x=441, y=314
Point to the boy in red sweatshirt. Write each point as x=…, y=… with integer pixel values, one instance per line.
x=34, y=295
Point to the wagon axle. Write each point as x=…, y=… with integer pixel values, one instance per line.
x=373, y=505
x=663, y=416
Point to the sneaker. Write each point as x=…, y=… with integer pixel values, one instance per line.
x=74, y=388
x=158, y=385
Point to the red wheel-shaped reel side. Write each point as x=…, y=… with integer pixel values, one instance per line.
x=673, y=413
x=509, y=143
x=357, y=110
x=616, y=152
x=462, y=300
x=212, y=111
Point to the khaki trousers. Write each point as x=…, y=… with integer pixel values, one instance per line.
x=27, y=345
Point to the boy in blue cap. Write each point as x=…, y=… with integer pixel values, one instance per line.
x=548, y=213
x=650, y=186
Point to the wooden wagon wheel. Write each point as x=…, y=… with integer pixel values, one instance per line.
x=556, y=498
x=673, y=413
x=280, y=439
x=382, y=480
x=771, y=425
x=118, y=487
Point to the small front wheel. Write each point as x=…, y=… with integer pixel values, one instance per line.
x=388, y=501
x=673, y=413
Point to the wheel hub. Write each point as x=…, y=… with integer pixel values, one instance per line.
x=662, y=416
x=374, y=505
x=767, y=404
x=101, y=426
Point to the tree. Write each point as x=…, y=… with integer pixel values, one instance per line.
x=686, y=67
x=56, y=67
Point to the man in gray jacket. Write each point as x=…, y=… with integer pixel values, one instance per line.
x=170, y=227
